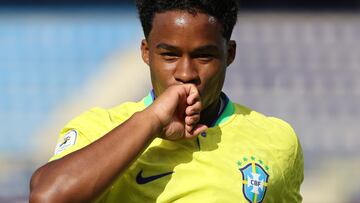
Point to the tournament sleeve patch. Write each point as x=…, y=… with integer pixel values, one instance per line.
x=68, y=140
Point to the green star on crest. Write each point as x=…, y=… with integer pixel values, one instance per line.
x=239, y=163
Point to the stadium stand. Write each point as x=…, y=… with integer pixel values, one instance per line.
x=46, y=57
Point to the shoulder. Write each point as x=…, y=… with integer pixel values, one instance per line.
x=91, y=125
x=99, y=120
x=115, y=114
x=126, y=109
x=270, y=126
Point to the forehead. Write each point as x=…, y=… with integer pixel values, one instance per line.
x=180, y=26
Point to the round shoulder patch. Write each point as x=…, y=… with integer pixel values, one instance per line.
x=69, y=139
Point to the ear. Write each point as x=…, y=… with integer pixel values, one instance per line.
x=231, y=52
x=145, y=51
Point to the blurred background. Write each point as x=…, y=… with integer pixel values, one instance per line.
x=297, y=60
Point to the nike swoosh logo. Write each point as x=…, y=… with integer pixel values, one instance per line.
x=143, y=180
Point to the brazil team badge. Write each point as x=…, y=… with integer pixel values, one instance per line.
x=255, y=180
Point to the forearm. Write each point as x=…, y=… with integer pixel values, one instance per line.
x=86, y=173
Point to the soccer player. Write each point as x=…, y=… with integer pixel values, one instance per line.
x=186, y=141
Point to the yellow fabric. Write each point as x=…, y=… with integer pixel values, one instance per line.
x=205, y=169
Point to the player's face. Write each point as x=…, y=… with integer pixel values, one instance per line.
x=185, y=48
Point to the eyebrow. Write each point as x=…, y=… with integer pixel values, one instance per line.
x=167, y=47
x=198, y=49
x=206, y=48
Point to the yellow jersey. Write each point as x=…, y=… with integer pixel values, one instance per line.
x=245, y=157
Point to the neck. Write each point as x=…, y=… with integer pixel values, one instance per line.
x=209, y=114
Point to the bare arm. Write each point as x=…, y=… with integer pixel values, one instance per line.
x=174, y=115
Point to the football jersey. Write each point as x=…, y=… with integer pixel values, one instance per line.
x=244, y=157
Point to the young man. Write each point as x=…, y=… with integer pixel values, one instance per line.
x=186, y=141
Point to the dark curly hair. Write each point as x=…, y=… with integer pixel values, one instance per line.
x=225, y=11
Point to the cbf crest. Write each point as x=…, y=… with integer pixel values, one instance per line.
x=255, y=179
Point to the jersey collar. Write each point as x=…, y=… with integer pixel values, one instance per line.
x=149, y=99
x=224, y=114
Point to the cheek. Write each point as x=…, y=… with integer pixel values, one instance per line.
x=215, y=83
x=212, y=84
x=161, y=75
x=213, y=75
x=158, y=64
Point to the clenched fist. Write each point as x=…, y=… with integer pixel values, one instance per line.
x=177, y=110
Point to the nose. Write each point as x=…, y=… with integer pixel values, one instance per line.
x=186, y=72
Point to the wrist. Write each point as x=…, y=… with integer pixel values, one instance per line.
x=151, y=119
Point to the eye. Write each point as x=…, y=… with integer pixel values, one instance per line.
x=205, y=57
x=169, y=56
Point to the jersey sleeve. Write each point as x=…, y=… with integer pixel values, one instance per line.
x=83, y=130
x=294, y=173
x=295, y=176
x=70, y=140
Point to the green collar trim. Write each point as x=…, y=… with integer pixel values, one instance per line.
x=149, y=99
x=227, y=113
